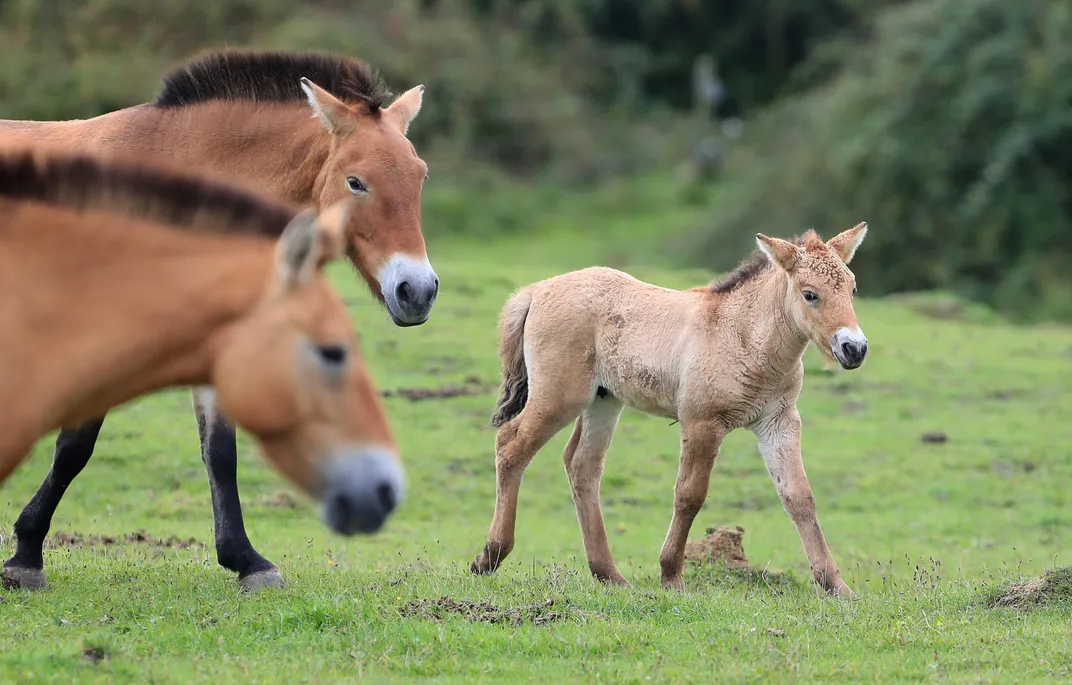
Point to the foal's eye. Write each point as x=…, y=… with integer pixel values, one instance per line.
x=356, y=186
x=809, y=296
x=332, y=355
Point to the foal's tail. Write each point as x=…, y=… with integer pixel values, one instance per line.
x=515, y=379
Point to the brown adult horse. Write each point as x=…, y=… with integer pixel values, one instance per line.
x=302, y=127
x=99, y=265
x=585, y=344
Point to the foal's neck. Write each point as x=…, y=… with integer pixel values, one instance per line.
x=758, y=312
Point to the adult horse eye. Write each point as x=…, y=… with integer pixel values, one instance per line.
x=356, y=186
x=332, y=355
x=809, y=296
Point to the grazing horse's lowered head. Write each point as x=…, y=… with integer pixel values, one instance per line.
x=821, y=289
x=292, y=374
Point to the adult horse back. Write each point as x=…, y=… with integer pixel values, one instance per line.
x=309, y=128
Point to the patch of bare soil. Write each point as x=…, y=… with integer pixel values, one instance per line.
x=281, y=499
x=472, y=386
x=438, y=609
x=139, y=537
x=94, y=655
x=1052, y=588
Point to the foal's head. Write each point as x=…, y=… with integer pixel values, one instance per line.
x=291, y=373
x=371, y=159
x=821, y=289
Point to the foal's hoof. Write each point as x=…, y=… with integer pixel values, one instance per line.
x=15, y=577
x=674, y=583
x=482, y=566
x=267, y=578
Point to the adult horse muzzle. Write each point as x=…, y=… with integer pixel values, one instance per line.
x=361, y=487
x=409, y=287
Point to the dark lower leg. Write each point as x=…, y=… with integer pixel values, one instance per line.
x=219, y=451
x=74, y=448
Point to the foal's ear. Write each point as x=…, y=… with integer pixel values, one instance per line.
x=332, y=111
x=331, y=230
x=782, y=252
x=405, y=109
x=297, y=254
x=845, y=244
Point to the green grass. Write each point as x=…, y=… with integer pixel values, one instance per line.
x=925, y=532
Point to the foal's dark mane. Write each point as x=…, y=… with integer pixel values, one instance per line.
x=258, y=76
x=750, y=268
x=81, y=182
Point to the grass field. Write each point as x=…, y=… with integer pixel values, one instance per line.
x=924, y=531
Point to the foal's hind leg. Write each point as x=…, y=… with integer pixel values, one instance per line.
x=518, y=441
x=584, y=457
x=74, y=447
x=219, y=451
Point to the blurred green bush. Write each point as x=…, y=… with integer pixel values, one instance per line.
x=950, y=131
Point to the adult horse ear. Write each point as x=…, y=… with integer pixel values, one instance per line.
x=782, y=252
x=845, y=244
x=405, y=109
x=297, y=253
x=333, y=112
x=331, y=230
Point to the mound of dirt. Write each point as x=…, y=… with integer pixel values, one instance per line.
x=721, y=544
x=436, y=610
x=1052, y=588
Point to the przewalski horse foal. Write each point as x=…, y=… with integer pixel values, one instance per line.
x=585, y=344
x=117, y=280
x=307, y=128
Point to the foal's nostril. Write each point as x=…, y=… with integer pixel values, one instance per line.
x=863, y=350
x=385, y=494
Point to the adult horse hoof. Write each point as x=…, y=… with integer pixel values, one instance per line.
x=266, y=578
x=15, y=578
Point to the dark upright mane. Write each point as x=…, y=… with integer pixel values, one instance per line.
x=747, y=270
x=271, y=77
x=81, y=182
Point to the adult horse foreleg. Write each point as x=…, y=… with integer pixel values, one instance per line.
x=74, y=447
x=219, y=452
x=779, y=443
x=700, y=442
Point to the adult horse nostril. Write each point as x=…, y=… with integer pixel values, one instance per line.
x=848, y=350
x=404, y=293
x=385, y=494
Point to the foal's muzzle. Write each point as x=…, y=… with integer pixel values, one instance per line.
x=849, y=347
x=410, y=287
x=361, y=488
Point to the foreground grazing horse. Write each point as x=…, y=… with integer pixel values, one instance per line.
x=585, y=344
x=117, y=280
x=302, y=127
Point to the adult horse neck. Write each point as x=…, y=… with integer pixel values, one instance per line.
x=306, y=127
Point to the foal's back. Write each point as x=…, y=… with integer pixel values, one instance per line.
x=629, y=337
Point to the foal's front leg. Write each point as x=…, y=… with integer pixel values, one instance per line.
x=219, y=451
x=700, y=442
x=779, y=442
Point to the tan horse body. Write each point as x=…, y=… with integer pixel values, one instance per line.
x=118, y=280
x=307, y=128
x=583, y=345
